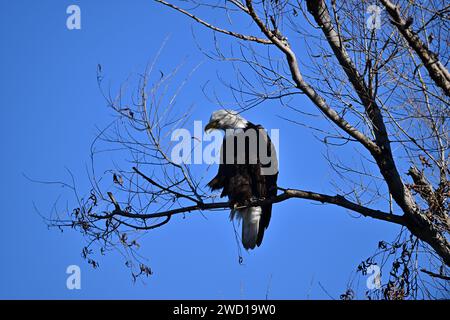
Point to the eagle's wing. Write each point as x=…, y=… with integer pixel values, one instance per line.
x=221, y=180
x=265, y=178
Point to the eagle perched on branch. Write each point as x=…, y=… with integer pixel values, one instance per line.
x=248, y=172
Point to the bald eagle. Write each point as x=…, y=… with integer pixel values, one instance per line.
x=248, y=171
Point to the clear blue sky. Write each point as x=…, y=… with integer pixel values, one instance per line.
x=50, y=106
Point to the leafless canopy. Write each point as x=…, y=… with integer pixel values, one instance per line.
x=381, y=90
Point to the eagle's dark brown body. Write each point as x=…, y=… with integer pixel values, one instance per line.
x=248, y=180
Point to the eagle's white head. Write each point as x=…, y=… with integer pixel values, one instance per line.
x=226, y=119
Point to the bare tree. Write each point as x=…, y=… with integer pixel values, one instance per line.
x=376, y=73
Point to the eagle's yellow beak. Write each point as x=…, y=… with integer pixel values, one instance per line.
x=211, y=126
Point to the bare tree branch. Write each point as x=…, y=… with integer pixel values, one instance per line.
x=435, y=275
x=434, y=66
x=283, y=45
x=338, y=200
x=214, y=28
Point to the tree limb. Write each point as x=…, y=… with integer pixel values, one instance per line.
x=309, y=91
x=212, y=27
x=338, y=200
x=435, y=275
x=419, y=224
x=435, y=68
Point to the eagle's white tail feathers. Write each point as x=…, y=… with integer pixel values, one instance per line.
x=250, y=226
